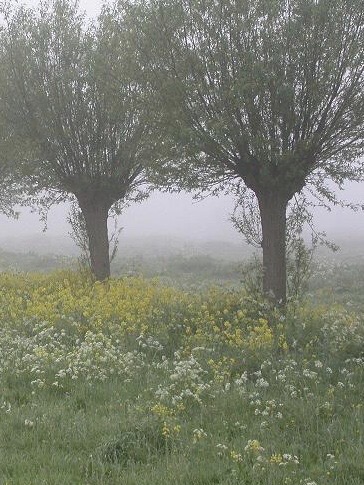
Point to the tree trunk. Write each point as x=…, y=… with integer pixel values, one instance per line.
x=96, y=215
x=273, y=208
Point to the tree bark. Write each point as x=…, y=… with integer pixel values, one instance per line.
x=273, y=208
x=96, y=215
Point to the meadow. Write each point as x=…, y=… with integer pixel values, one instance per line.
x=188, y=378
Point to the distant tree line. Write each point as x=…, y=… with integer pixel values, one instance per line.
x=259, y=98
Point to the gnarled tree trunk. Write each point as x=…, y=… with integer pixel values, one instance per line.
x=96, y=214
x=273, y=208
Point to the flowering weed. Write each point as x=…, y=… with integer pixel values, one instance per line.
x=133, y=382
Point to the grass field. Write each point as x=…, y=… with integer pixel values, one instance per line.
x=138, y=382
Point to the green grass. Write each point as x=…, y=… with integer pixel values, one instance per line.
x=105, y=433
x=193, y=408
x=339, y=282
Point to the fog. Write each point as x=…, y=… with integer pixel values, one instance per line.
x=170, y=218
x=162, y=217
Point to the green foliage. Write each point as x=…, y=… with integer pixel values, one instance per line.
x=83, y=107
x=14, y=169
x=243, y=105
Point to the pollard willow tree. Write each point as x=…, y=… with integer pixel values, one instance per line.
x=262, y=94
x=71, y=89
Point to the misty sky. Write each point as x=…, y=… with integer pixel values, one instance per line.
x=179, y=216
